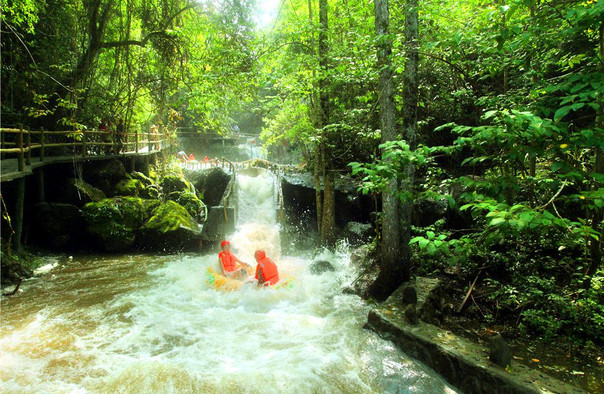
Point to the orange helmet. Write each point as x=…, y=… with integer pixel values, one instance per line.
x=224, y=243
x=259, y=255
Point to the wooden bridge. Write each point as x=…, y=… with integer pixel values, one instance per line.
x=24, y=150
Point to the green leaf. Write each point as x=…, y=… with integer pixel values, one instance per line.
x=496, y=221
x=561, y=113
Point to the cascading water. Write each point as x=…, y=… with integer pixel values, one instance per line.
x=152, y=324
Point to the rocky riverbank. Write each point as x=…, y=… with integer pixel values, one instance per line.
x=108, y=209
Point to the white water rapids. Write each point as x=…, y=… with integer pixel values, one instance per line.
x=151, y=324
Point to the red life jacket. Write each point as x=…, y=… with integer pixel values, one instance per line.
x=266, y=272
x=228, y=261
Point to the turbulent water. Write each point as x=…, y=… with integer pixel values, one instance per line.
x=152, y=324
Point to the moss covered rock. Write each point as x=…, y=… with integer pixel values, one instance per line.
x=113, y=170
x=170, y=228
x=191, y=203
x=78, y=192
x=114, y=222
x=142, y=177
x=150, y=192
x=175, y=183
x=129, y=187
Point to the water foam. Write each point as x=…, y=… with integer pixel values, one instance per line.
x=154, y=324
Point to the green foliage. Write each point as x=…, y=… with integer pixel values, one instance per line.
x=139, y=60
x=168, y=217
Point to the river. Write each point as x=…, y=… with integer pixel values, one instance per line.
x=152, y=324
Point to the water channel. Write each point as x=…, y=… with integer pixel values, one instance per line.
x=152, y=324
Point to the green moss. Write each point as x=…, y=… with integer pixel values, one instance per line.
x=190, y=202
x=129, y=187
x=115, y=221
x=170, y=216
x=143, y=178
x=86, y=189
x=175, y=183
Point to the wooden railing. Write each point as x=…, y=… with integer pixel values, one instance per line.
x=40, y=144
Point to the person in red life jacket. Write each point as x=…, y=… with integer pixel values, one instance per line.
x=230, y=264
x=266, y=271
x=191, y=157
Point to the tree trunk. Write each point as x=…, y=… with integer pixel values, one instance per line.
x=598, y=218
x=329, y=209
x=410, y=89
x=326, y=216
x=392, y=272
x=317, y=177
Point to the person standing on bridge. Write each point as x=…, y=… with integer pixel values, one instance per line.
x=119, y=136
x=230, y=264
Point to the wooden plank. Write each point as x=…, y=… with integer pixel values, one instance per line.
x=21, y=157
x=28, y=155
x=42, y=146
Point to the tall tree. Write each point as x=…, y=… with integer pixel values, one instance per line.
x=410, y=103
x=328, y=216
x=392, y=270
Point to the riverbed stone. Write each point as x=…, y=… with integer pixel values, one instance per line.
x=411, y=314
x=358, y=233
x=113, y=222
x=409, y=295
x=170, y=228
x=57, y=226
x=319, y=267
x=299, y=198
x=499, y=351
x=362, y=260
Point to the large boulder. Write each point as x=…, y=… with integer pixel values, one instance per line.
x=105, y=175
x=174, y=183
x=129, y=187
x=219, y=223
x=73, y=191
x=358, y=233
x=191, y=203
x=319, y=267
x=142, y=177
x=57, y=226
x=428, y=295
x=170, y=228
x=210, y=184
x=366, y=266
x=113, y=223
x=299, y=198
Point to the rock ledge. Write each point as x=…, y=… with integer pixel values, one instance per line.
x=462, y=363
